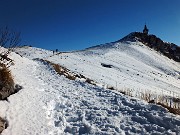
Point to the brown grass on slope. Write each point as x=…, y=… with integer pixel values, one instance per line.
x=6, y=82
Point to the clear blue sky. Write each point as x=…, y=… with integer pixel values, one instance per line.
x=78, y=24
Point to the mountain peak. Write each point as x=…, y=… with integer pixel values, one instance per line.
x=170, y=50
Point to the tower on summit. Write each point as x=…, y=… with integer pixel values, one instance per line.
x=145, y=31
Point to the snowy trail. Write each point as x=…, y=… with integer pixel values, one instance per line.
x=78, y=108
x=24, y=112
x=81, y=108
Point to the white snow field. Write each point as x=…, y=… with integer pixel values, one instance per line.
x=133, y=65
x=50, y=104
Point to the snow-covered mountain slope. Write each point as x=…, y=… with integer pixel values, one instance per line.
x=33, y=52
x=53, y=104
x=133, y=65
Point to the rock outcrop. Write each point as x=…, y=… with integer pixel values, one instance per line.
x=170, y=50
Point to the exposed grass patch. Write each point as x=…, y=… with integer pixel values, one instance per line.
x=6, y=82
x=90, y=81
x=170, y=109
x=62, y=70
x=172, y=104
x=68, y=74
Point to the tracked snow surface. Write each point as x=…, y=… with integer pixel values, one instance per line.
x=52, y=104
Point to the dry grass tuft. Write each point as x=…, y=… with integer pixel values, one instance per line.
x=90, y=81
x=6, y=82
x=110, y=87
x=177, y=100
x=172, y=104
x=57, y=68
x=71, y=77
x=68, y=74
x=62, y=70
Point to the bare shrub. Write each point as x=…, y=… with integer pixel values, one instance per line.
x=9, y=38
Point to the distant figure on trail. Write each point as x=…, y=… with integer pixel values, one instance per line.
x=56, y=50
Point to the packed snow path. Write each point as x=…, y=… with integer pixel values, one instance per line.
x=52, y=104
